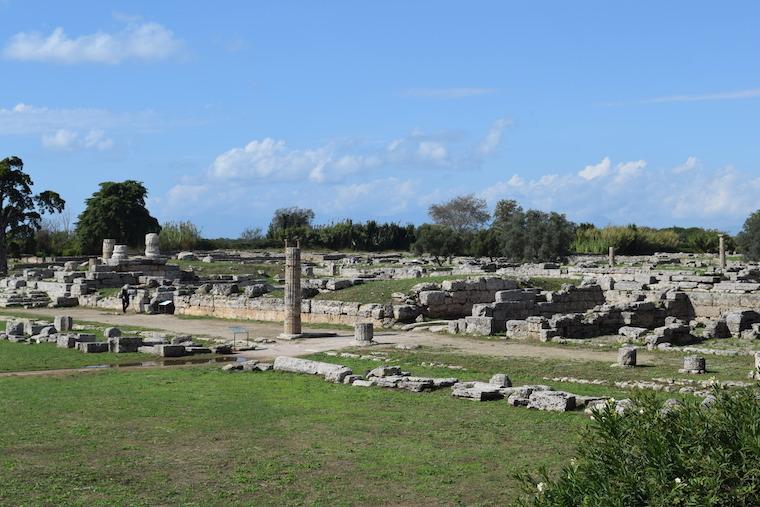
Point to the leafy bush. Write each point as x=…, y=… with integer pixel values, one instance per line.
x=179, y=236
x=628, y=240
x=690, y=455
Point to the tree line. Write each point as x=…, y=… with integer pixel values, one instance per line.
x=38, y=224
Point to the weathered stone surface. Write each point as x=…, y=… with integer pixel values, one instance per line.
x=501, y=380
x=92, y=347
x=740, y=320
x=125, y=344
x=480, y=325
x=298, y=365
x=716, y=329
x=557, y=401
x=478, y=391
x=693, y=364
x=112, y=332
x=363, y=383
x=363, y=333
x=14, y=327
x=63, y=323
x=632, y=332
x=627, y=356
x=337, y=376
x=169, y=350
x=384, y=371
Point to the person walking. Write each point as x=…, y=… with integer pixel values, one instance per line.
x=124, y=295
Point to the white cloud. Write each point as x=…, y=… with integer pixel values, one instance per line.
x=447, y=93
x=713, y=198
x=690, y=164
x=64, y=139
x=493, y=138
x=595, y=171
x=138, y=41
x=432, y=151
x=25, y=119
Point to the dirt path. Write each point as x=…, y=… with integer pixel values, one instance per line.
x=219, y=328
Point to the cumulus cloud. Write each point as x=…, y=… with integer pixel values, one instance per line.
x=690, y=164
x=137, y=41
x=718, y=197
x=596, y=170
x=64, y=139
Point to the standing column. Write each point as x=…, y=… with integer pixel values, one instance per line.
x=108, y=245
x=611, y=256
x=292, y=290
x=722, y=251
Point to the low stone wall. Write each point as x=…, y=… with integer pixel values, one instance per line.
x=273, y=309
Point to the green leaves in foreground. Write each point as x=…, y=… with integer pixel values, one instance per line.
x=688, y=456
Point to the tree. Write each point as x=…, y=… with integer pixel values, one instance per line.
x=438, y=241
x=116, y=211
x=289, y=223
x=748, y=240
x=252, y=234
x=485, y=243
x=463, y=213
x=532, y=236
x=20, y=210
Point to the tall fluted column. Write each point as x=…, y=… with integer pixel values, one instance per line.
x=722, y=251
x=292, y=290
x=611, y=255
x=108, y=245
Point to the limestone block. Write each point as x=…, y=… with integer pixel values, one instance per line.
x=693, y=364
x=124, y=344
x=384, y=371
x=556, y=401
x=169, y=350
x=501, y=380
x=298, y=365
x=112, y=332
x=632, y=332
x=432, y=297
x=92, y=347
x=627, y=356
x=478, y=391
x=14, y=327
x=480, y=325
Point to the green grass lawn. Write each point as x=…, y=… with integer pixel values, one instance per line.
x=229, y=268
x=46, y=356
x=379, y=291
x=199, y=436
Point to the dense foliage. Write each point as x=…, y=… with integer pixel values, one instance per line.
x=689, y=455
x=115, y=211
x=748, y=239
x=21, y=210
x=635, y=240
x=176, y=236
x=463, y=213
x=439, y=241
x=532, y=235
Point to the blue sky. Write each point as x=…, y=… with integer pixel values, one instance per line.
x=610, y=112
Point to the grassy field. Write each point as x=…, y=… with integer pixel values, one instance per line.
x=380, y=291
x=201, y=437
x=46, y=356
x=228, y=268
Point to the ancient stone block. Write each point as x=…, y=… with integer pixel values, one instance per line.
x=112, y=332
x=557, y=401
x=92, y=347
x=693, y=365
x=478, y=391
x=63, y=323
x=627, y=356
x=500, y=380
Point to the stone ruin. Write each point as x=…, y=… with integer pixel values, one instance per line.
x=62, y=332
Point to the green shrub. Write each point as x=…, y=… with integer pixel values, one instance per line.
x=688, y=456
x=179, y=236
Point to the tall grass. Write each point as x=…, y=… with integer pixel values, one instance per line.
x=179, y=236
